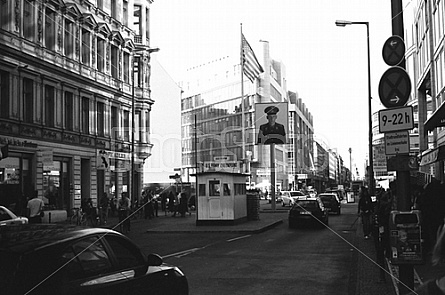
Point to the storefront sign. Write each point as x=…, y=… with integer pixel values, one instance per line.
x=230, y=166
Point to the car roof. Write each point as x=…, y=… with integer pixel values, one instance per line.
x=30, y=237
x=327, y=194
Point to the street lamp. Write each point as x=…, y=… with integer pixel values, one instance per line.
x=344, y=23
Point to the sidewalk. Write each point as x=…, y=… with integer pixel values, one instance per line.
x=367, y=270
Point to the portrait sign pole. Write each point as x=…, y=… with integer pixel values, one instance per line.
x=272, y=176
x=271, y=120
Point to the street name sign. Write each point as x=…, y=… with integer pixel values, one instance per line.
x=397, y=143
x=396, y=119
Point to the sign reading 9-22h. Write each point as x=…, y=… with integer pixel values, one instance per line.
x=396, y=119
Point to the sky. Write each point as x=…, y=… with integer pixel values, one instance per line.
x=325, y=64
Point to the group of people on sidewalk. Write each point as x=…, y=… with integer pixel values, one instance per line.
x=375, y=217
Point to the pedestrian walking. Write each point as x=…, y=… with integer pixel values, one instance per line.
x=365, y=208
x=155, y=203
x=124, y=210
x=103, y=208
x=182, y=207
x=35, y=209
x=175, y=204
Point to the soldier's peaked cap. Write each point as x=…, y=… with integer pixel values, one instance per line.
x=271, y=110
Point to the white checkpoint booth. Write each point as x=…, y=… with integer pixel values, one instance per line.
x=221, y=198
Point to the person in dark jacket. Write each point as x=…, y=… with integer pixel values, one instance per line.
x=365, y=208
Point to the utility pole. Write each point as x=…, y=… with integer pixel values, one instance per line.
x=403, y=194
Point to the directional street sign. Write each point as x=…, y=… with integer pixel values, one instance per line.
x=396, y=119
x=393, y=50
x=394, y=87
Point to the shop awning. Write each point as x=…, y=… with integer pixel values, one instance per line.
x=432, y=155
x=437, y=119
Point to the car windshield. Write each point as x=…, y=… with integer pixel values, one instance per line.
x=296, y=194
x=326, y=197
x=308, y=204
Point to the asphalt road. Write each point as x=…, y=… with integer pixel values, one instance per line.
x=277, y=261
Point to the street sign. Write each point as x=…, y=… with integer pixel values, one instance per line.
x=396, y=119
x=393, y=50
x=397, y=143
x=394, y=87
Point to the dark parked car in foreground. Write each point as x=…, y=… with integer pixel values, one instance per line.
x=62, y=259
x=331, y=202
x=308, y=210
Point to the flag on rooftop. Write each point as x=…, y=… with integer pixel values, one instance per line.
x=251, y=66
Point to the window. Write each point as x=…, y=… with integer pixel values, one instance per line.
x=85, y=115
x=125, y=12
x=50, y=29
x=202, y=189
x=114, y=61
x=226, y=189
x=126, y=126
x=127, y=255
x=69, y=106
x=28, y=100
x=137, y=74
x=4, y=14
x=100, y=119
x=100, y=54
x=49, y=105
x=114, y=122
x=137, y=20
x=86, y=47
x=4, y=94
x=240, y=189
x=86, y=258
x=126, y=67
x=69, y=38
x=214, y=188
x=28, y=20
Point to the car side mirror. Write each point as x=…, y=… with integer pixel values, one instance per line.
x=154, y=260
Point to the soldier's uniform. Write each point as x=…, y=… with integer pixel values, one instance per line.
x=268, y=133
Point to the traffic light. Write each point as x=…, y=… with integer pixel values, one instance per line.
x=4, y=152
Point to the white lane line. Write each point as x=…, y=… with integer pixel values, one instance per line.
x=182, y=253
x=238, y=238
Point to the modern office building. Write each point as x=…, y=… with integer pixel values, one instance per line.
x=74, y=99
x=213, y=129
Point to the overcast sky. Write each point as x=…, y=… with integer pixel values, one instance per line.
x=326, y=65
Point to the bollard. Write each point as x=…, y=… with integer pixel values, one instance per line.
x=49, y=217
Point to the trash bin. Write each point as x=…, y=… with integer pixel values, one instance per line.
x=253, y=205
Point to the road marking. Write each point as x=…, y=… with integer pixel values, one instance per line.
x=182, y=253
x=238, y=238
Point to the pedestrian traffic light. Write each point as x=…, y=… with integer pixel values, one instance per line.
x=4, y=152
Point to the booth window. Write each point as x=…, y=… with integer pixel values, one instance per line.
x=202, y=189
x=240, y=189
x=226, y=189
x=214, y=188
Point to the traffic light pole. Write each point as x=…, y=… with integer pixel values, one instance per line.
x=403, y=194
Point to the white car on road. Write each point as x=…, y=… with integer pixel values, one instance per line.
x=289, y=197
x=7, y=217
